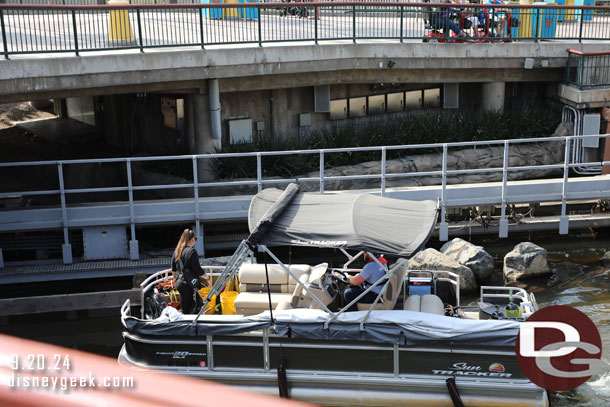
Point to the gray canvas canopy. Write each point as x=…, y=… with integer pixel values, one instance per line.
x=343, y=220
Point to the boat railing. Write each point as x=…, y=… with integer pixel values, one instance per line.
x=125, y=311
x=432, y=276
x=527, y=305
x=163, y=276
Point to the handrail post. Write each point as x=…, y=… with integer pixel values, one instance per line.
x=581, y=72
x=383, y=173
x=260, y=29
x=3, y=28
x=503, y=228
x=316, y=15
x=140, y=30
x=444, y=226
x=198, y=232
x=201, y=27
x=401, y=22
x=75, y=32
x=259, y=172
x=582, y=18
x=134, y=250
x=321, y=171
x=564, y=220
x=354, y=23
x=66, y=248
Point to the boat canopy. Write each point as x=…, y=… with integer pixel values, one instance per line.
x=342, y=220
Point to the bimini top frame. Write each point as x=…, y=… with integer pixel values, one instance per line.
x=345, y=221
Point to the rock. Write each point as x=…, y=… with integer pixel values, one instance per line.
x=606, y=257
x=474, y=257
x=526, y=260
x=431, y=259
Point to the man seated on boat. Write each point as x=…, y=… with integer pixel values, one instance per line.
x=371, y=272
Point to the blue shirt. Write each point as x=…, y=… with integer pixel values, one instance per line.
x=371, y=273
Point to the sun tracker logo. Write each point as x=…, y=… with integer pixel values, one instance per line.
x=496, y=367
x=559, y=348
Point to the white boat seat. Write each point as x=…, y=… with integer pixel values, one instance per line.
x=429, y=303
x=388, y=299
x=253, y=299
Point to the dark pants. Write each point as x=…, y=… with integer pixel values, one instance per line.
x=353, y=291
x=190, y=301
x=447, y=24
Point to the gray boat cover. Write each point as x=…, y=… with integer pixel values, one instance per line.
x=393, y=327
x=343, y=220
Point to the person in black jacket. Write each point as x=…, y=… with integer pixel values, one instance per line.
x=185, y=263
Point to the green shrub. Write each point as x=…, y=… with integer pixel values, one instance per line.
x=420, y=128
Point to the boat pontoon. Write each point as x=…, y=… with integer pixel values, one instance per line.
x=414, y=345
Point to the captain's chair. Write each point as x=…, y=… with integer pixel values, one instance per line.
x=388, y=299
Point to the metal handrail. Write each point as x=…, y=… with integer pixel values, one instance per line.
x=444, y=172
x=205, y=24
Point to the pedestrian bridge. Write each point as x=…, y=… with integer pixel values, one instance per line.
x=150, y=47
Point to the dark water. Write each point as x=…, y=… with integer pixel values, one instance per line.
x=580, y=279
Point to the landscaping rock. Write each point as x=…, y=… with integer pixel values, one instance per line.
x=431, y=259
x=526, y=260
x=469, y=255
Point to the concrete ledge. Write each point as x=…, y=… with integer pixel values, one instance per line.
x=23, y=77
x=586, y=98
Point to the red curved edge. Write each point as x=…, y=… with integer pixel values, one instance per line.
x=150, y=389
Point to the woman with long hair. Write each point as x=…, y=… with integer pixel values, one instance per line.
x=185, y=263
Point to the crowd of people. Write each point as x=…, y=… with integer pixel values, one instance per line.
x=482, y=21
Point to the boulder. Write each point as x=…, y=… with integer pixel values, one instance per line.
x=431, y=259
x=474, y=257
x=526, y=260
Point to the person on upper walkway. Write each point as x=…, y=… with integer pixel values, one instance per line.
x=442, y=18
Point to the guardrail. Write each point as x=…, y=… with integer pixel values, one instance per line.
x=28, y=29
x=588, y=69
x=442, y=174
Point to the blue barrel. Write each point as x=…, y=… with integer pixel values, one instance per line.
x=249, y=13
x=548, y=21
x=212, y=12
x=587, y=15
x=559, y=12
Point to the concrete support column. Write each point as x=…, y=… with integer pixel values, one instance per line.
x=201, y=126
x=605, y=129
x=492, y=98
x=214, y=96
x=1, y=259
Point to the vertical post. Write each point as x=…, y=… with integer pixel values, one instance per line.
x=538, y=23
x=260, y=29
x=201, y=27
x=140, y=39
x=401, y=22
x=198, y=232
x=383, y=164
x=354, y=23
x=66, y=248
x=316, y=15
x=259, y=172
x=3, y=28
x=581, y=73
x=134, y=250
x=564, y=220
x=568, y=66
x=503, y=232
x=321, y=171
x=582, y=15
x=444, y=226
x=75, y=32
x=1, y=259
